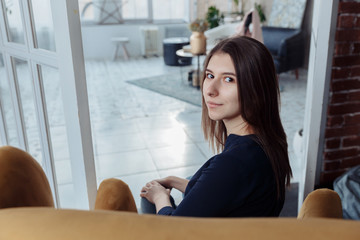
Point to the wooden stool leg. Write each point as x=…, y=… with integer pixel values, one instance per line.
x=116, y=51
x=126, y=53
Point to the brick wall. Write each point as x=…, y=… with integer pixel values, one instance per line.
x=342, y=134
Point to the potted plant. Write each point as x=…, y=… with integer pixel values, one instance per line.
x=261, y=12
x=213, y=17
x=197, y=38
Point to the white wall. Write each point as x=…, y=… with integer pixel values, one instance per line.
x=97, y=43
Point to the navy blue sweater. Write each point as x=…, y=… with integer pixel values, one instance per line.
x=239, y=182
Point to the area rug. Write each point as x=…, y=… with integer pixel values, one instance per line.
x=173, y=85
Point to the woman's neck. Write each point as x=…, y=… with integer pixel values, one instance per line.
x=238, y=127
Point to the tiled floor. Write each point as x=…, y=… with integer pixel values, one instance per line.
x=143, y=135
x=140, y=135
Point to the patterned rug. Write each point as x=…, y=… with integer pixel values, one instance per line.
x=171, y=85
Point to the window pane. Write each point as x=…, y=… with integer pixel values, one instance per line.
x=7, y=107
x=27, y=98
x=43, y=24
x=14, y=24
x=135, y=9
x=86, y=8
x=168, y=9
x=59, y=140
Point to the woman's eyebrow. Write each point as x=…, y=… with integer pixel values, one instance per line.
x=229, y=73
x=224, y=73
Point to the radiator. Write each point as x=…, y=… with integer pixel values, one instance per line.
x=149, y=41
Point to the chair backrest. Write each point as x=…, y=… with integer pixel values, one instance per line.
x=323, y=203
x=22, y=180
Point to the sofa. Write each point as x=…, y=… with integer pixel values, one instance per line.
x=30, y=214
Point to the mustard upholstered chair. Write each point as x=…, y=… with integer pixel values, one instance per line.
x=24, y=183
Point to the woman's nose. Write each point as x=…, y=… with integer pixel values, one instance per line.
x=212, y=88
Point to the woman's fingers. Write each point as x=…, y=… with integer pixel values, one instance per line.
x=144, y=189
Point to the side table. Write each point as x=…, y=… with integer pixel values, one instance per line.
x=182, y=53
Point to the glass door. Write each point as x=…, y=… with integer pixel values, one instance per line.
x=43, y=100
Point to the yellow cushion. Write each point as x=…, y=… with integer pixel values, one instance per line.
x=321, y=203
x=22, y=180
x=114, y=194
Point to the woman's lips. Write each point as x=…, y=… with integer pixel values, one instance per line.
x=213, y=105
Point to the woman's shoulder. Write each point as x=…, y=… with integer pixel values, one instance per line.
x=237, y=143
x=244, y=151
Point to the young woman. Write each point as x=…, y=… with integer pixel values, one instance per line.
x=240, y=119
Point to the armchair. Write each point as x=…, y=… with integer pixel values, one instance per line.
x=287, y=46
x=284, y=36
x=45, y=222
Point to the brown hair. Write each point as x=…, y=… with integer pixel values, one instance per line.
x=259, y=100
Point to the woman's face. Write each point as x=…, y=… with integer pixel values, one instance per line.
x=220, y=89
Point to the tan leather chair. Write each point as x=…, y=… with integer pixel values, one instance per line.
x=23, y=183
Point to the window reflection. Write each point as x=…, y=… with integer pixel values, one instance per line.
x=27, y=99
x=59, y=138
x=15, y=30
x=43, y=24
x=7, y=108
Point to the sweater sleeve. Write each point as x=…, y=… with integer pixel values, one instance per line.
x=213, y=191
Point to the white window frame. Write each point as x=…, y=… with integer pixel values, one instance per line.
x=319, y=76
x=69, y=60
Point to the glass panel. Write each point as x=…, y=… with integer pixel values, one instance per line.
x=135, y=9
x=7, y=107
x=59, y=140
x=28, y=106
x=168, y=9
x=43, y=24
x=15, y=27
x=86, y=8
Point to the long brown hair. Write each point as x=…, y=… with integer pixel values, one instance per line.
x=259, y=100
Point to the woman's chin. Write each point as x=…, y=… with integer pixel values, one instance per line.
x=214, y=117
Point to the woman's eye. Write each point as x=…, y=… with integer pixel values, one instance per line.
x=209, y=75
x=229, y=79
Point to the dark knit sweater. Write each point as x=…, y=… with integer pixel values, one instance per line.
x=239, y=182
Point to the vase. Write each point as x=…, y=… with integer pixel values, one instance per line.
x=198, y=43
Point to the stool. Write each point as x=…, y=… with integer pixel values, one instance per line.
x=120, y=41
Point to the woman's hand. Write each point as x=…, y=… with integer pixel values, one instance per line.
x=173, y=182
x=165, y=182
x=155, y=193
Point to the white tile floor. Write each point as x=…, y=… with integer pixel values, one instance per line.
x=140, y=135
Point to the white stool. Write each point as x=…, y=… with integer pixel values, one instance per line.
x=120, y=41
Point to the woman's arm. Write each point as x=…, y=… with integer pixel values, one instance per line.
x=174, y=182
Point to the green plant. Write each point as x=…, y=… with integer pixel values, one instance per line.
x=261, y=12
x=213, y=17
x=236, y=2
